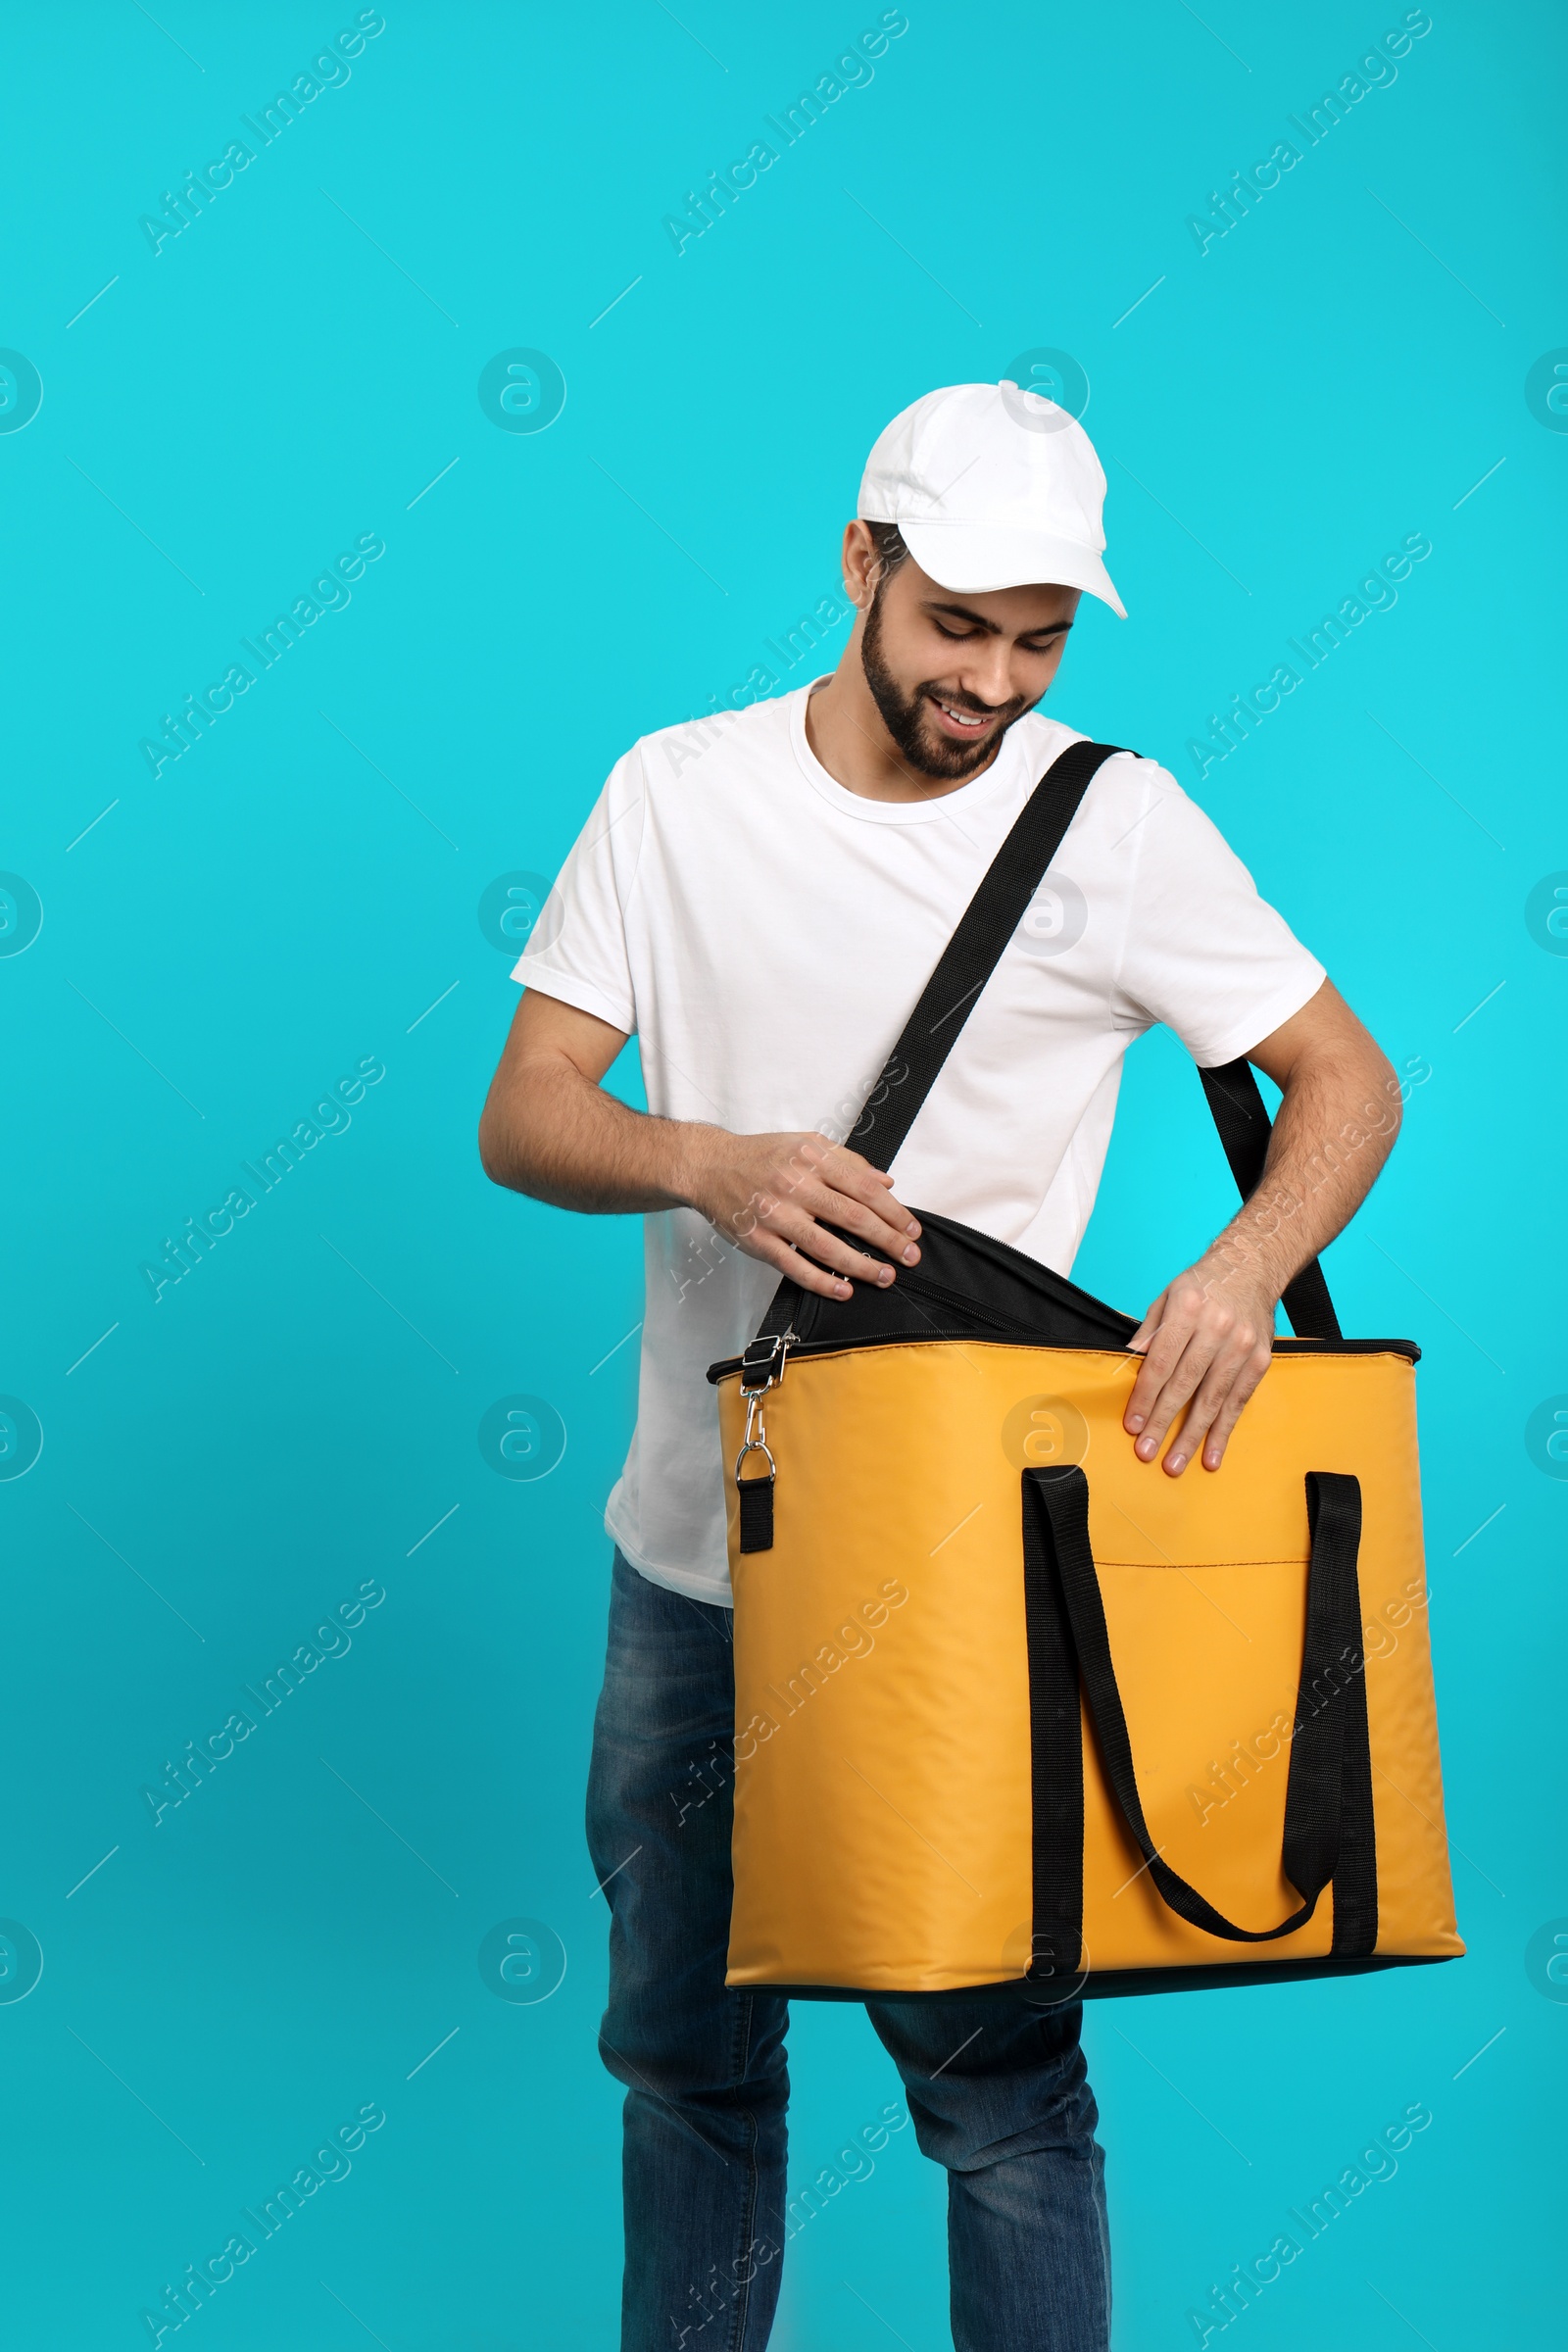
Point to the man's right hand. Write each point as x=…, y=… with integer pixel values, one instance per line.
x=774, y=1196
x=551, y=1130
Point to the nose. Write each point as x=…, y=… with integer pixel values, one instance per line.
x=987, y=676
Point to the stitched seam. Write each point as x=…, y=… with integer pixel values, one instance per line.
x=1184, y=1567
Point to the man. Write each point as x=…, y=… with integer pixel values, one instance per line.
x=760, y=900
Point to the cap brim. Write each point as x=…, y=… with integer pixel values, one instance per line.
x=974, y=559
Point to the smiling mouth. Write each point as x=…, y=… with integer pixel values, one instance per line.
x=963, y=723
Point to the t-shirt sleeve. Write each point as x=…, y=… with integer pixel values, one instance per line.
x=1204, y=952
x=578, y=949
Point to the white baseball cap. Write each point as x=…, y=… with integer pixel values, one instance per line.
x=992, y=488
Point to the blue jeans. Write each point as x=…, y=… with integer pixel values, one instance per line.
x=996, y=2090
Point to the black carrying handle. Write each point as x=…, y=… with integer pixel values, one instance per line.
x=967, y=963
x=1328, y=1794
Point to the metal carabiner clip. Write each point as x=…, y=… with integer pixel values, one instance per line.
x=755, y=1439
x=754, y=1445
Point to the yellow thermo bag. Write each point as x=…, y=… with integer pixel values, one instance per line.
x=1015, y=1709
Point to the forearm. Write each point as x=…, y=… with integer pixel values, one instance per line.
x=550, y=1130
x=556, y=1135
x=1336, y=1126
x=1208, y=1340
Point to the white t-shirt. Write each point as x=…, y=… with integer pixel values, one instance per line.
x=765, y=933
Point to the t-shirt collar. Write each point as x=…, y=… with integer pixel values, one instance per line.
x=998, y=779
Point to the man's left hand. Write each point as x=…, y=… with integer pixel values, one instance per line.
x=1206, y=1343
x=1208, y=1338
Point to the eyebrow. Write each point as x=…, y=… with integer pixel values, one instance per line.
x=978, y=621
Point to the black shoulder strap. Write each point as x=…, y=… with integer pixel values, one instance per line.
x=967, y=963
x=974, y=950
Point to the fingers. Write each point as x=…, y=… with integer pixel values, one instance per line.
x=785, y=1233
x=829, y=1186
x=1203, y=1360
x=1147, y=1329
x=799, y=1230
x=1229, y=1410
x=790, y=1190
x=874, y=1213
x=774, y=1250
x=1169, y=1324
x=827, y=1207
x=1176, y=1391
x=1225, y=1386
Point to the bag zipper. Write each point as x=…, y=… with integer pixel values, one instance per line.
x=788, y=1343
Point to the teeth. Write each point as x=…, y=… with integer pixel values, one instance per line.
x=963, y=718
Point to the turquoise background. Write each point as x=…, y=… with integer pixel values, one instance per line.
x=299, y=892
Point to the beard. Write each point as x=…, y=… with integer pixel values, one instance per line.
x=906, y=720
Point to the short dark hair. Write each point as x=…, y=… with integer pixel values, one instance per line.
x=891, y=550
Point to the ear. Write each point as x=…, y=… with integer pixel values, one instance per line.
x=859, y=561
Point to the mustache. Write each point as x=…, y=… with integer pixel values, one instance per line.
x=972, y=703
